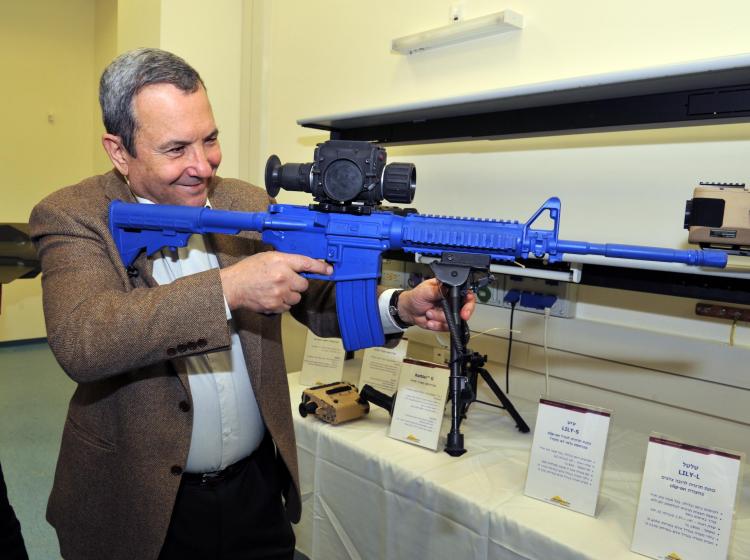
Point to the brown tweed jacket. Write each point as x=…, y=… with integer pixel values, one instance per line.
x=127, y=432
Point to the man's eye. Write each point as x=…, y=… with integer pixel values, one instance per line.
x=211, y=140
x=178, y=150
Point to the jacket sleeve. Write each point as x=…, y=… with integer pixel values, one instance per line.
x=317, y=311
x=98, y=324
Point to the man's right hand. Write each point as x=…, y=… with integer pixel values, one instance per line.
x=269, y=282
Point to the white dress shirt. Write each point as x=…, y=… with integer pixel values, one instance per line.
x=227, y=425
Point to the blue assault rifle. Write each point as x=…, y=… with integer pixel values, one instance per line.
x=353, y=244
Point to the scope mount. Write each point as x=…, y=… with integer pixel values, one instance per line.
x=349, y=208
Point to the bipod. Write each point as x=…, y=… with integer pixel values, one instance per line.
x=475, y=370
x=462, y=272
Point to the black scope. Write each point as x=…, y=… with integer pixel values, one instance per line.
x=345, y=171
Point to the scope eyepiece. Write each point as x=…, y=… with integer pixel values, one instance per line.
x=345, y=172
x=290, y=176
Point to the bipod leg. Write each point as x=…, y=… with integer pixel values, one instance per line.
x=454, y=270
x=454, y=445
x=520, y=423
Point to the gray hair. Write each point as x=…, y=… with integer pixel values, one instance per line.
x=128, y=74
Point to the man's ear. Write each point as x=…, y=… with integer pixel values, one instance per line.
x=116, y=152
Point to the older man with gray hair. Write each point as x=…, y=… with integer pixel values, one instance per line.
x=179, y=440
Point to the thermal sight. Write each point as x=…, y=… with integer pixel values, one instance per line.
x=345, y=173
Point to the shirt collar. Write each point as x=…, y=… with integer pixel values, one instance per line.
x=147, y=201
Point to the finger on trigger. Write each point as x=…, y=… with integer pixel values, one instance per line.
x=315, y=266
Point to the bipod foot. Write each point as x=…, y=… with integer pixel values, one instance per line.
x=454, y=446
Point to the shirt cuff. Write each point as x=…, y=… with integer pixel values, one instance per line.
x=389, y=325
x=226, y=308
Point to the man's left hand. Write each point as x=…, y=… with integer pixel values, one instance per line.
x=422, y=306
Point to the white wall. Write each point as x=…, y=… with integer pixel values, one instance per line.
x=333, y=56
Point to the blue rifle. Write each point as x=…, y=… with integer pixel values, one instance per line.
x=353, y=244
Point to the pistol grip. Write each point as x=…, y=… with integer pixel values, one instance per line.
x=358, y=313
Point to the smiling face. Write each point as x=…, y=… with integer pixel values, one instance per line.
x=176, y=145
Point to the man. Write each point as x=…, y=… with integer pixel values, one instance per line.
x=179, y=440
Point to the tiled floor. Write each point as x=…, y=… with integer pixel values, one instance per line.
x=34, y=395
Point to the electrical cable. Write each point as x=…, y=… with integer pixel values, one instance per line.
x=486, y=333
x=546, y=352
x=510, y=344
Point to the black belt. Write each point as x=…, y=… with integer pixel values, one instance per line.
x=216, y=476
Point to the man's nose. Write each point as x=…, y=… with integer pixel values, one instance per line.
x=200, y=164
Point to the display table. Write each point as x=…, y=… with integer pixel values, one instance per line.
x=368, y=496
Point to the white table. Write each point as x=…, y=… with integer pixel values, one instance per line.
x=368, y=496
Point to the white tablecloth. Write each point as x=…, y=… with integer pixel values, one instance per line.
x=368, y=496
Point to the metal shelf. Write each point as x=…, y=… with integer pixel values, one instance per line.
x=702, y=92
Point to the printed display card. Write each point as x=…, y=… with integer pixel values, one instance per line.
x=567, y=455
x=381, y=367
x=687, y=501
x=420, y=403
x=323, y=361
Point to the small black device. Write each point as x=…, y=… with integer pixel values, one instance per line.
x=345, y=174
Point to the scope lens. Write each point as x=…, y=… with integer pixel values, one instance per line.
x=343, y=180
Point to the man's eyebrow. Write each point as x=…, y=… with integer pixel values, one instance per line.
x=172, y=144
x=178, y=143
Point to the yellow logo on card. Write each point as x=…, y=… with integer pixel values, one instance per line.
x=559, y=500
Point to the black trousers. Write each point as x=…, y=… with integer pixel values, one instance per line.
x=240, y=516
x=11, y=541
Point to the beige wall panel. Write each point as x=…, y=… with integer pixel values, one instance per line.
x=138, y=24
x=47, y=64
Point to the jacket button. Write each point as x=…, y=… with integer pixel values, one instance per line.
x=184, y=406
x=171, y=351
x=181, y=348
x=192, y=345
x=176, y=470
x=202, y=342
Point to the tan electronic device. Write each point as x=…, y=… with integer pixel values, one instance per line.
x=718, y=216
x=333, y=402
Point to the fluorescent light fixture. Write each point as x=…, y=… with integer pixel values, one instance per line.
x=492, y=24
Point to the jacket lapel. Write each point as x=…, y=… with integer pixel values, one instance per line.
x=141, y=271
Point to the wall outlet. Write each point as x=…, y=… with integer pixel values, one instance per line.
x=532, y=290
x=491, y=294
x=537, y=289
